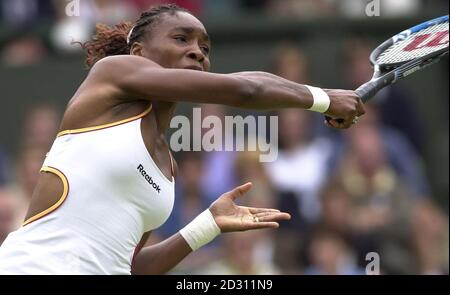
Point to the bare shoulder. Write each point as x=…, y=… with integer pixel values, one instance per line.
x=120, y=63
x=112, y=70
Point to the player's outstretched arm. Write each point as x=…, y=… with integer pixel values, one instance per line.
x=222, y=216
x=141, y=78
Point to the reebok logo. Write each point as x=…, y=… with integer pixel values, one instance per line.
x=149, y=179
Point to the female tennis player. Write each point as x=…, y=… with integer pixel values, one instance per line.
x=108, y=180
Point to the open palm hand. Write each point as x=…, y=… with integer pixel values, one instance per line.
x=231, y=217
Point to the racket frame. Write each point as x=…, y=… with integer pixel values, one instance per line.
x=385, y=75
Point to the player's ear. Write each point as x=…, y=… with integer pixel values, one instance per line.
x=137, y=49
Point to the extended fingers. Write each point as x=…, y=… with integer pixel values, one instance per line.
x=254, y=210
x=264, y=218
x=260, y=225
x=271, y=216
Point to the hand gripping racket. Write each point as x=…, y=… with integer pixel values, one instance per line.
x=406, y=53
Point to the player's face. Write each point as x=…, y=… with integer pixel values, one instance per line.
x=178, y=41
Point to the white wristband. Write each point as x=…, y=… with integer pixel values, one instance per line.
x=321, y=99
x=200, y=231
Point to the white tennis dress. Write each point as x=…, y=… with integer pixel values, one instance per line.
x=113, y=193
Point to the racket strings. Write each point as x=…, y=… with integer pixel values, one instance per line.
x=406, y=50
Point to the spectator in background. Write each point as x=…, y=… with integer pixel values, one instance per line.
x=290, y=63
x=26, y=49
x=29, y=163
x=330, y=254
x=398, y=151
x=423, y=237
x=336, y=207
x=247, y=167
x=219, y=173
x=380, y=200
x=299, y=146
x=16, y=196
x=25, y=13
x=430, y=238
x=239, y=257
x=301, y=167
x=40, y=125
x=11, y=213
x=382, y=205
x=39, y=131
x=21, y=17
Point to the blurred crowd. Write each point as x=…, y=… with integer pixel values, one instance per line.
x=32, y=29
x=350, y=193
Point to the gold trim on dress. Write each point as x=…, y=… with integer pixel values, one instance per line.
x=61, y=199
x=93, y=128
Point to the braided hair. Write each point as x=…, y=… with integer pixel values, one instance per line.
x=118, y=39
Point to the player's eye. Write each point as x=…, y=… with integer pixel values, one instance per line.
x=180, y=38
x=205, y=49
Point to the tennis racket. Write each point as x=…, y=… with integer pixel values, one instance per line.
x=406, y=53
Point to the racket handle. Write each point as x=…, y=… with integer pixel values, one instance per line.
x=368, y=90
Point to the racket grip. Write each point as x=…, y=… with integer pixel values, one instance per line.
x=368, y=90
x=365, y=92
